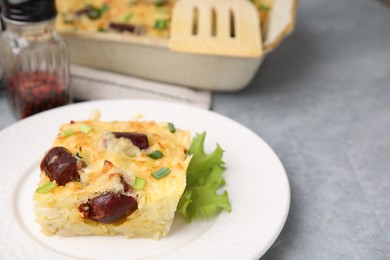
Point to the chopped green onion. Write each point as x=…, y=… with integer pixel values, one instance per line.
x=94, y=13
x=264, y=7
x=159, y=2
x=85, y=128
x=171, y=127
x=161, y=173
x=128, y=16
x=160, y=24
x=104, y=8
x=46, y=187
x=67, y=132
x=131, y=2
x=139, y=183
x=68, y=19
x=156, y=155
x=79, y=156
x=163, y=10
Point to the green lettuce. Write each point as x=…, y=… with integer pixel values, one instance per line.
x=204, y=177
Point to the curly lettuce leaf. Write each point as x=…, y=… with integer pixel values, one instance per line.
x=204, y=177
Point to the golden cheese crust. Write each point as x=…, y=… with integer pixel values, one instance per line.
x=149, y=18
x=108, y=164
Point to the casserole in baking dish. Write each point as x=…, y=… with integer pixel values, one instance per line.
x=132, y=38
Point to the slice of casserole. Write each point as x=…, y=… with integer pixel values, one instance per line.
x=112, y=178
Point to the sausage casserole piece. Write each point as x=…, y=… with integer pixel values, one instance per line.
x=112, y=178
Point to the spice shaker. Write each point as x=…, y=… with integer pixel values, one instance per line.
x=34, y=57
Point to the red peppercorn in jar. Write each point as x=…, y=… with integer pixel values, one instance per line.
x=33, y=92
x=34, y=57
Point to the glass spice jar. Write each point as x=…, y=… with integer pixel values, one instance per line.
x=34, y=57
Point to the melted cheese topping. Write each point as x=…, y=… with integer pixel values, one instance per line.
x=143, y=15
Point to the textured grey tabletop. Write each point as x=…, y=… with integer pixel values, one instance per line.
x=322, y=101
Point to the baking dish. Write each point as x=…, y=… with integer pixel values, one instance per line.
x=151, y=58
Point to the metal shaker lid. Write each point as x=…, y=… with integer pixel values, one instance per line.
x=29, y=10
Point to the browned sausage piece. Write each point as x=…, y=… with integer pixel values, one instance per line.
x=108, y=208
x=60, y=166
x=138, y=139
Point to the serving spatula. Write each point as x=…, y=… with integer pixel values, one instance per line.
x=216, y=27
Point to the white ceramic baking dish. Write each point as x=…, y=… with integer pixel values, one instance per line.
x=152, y=59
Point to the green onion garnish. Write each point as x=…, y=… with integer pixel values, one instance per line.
x=128, y=16
x=161, y=173
x=85, y=128
x=131, y=2
x=160, y=24
x=104, y=8
x=264, y=7
x=67, y=132
x=171, y=127
x=48, y=186
x=79, y=156
x=94, y=13
x=163, y=10
x=139, y=183
x=68, y=19
x=156, y=155
x=159, y=2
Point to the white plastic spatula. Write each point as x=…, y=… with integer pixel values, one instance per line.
x=216, y=27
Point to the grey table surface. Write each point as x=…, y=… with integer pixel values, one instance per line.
x=322, y=101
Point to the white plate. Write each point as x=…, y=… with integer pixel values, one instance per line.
x=256, y=181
